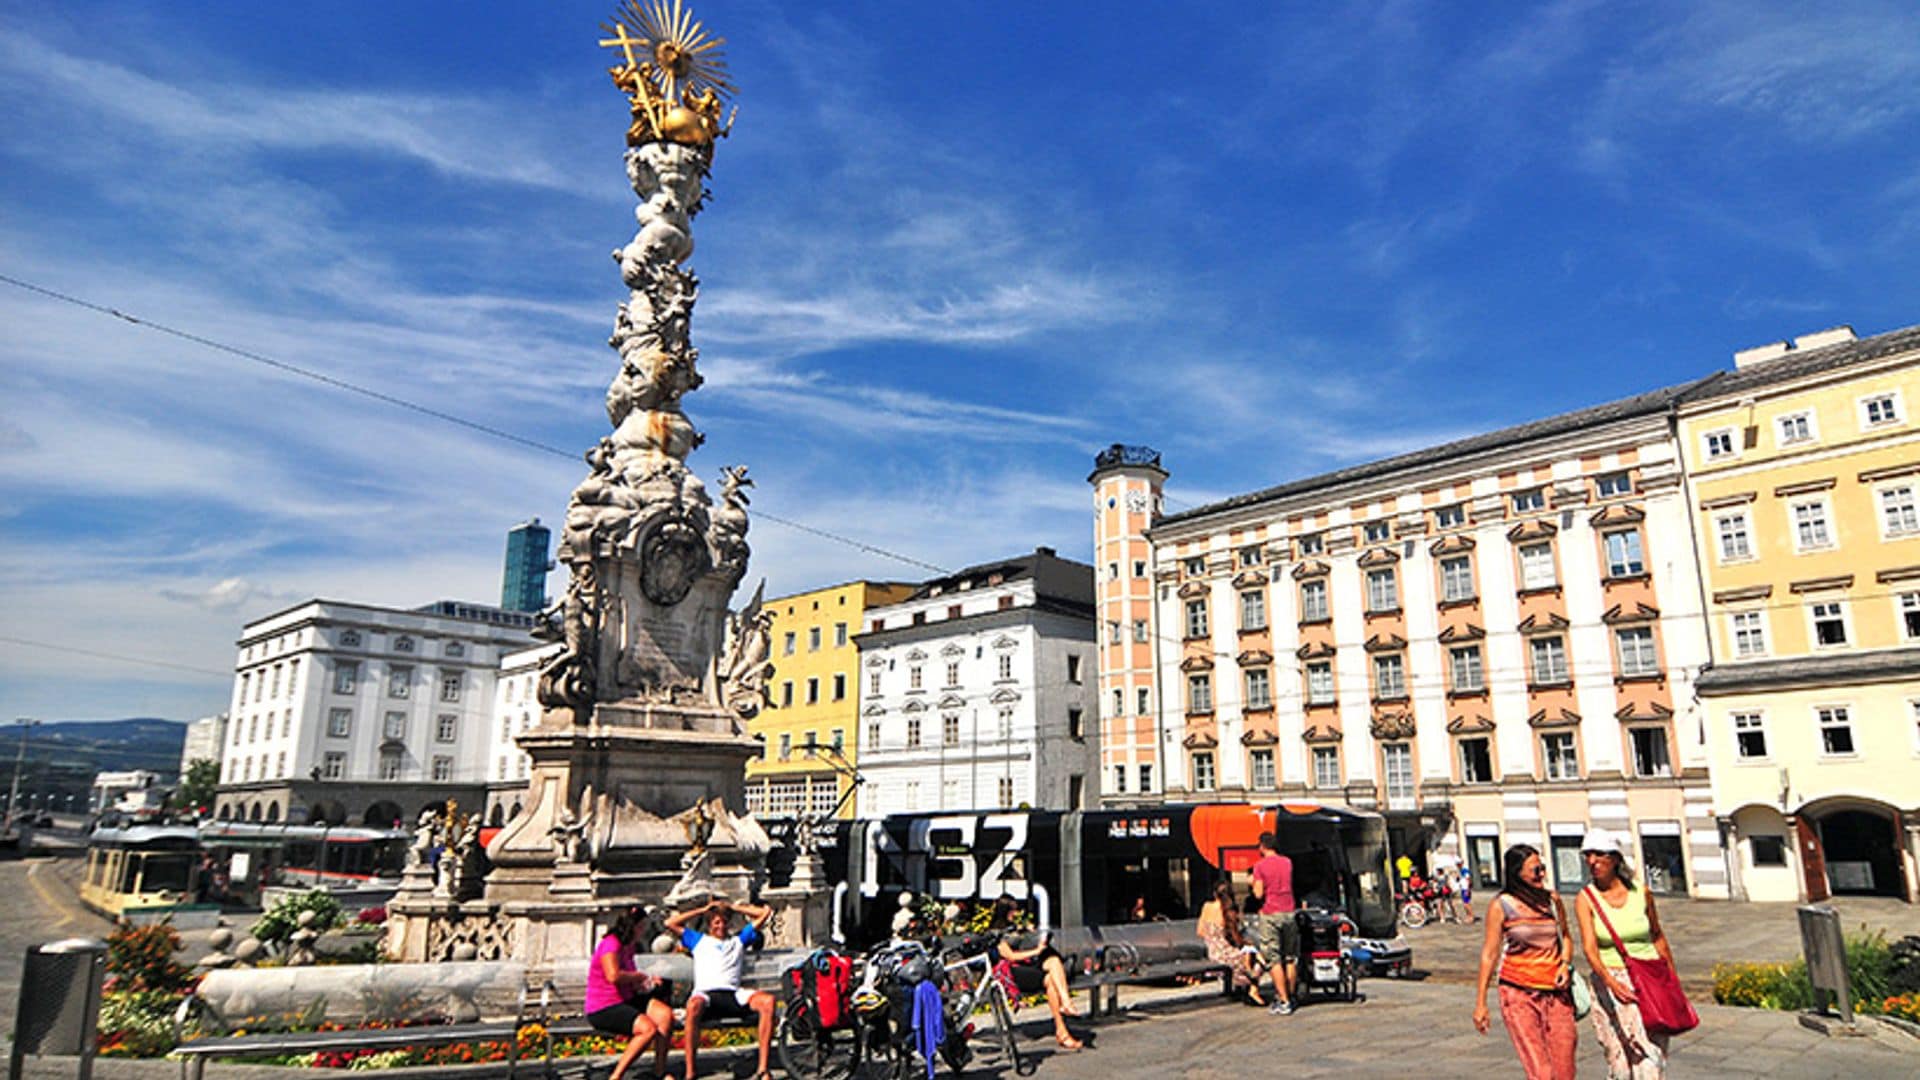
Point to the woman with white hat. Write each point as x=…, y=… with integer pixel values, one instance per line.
x=1620, y=930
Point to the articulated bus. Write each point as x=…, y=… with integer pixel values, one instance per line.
x=1095, y=871
x=342, y=856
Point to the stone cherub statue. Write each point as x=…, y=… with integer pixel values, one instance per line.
x=747, y=665
x=570, y=836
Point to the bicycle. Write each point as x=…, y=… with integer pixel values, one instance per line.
x=972, y=984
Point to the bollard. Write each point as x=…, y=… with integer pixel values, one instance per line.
x=62, y=1015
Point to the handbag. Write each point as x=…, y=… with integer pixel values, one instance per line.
x=1576, y=982
x=1664, y=1008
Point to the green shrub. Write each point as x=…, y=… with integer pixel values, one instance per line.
x=283, y=918
x=1870, y=973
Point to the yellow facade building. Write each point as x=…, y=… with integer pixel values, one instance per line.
x=810, y=730
x=1804, y=473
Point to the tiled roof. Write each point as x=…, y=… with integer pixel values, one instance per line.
x=1653, y=401
x=1809, y=671
x=1794, y=365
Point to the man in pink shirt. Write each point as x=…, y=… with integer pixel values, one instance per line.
x=1275, y=933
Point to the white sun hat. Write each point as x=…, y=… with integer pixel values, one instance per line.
x=1603, y=840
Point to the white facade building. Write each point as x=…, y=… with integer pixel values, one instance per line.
x=516, y=709
x=205, y=738
x=978, y=691
x=352, y=712
x=127, y=791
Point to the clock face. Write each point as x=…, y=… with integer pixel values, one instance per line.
x=1137, y=501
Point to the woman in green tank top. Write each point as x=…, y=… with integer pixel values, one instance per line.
x=1633, y=1053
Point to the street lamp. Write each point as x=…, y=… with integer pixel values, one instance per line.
x=19, y=759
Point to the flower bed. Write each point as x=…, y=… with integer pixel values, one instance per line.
x=1881, y=976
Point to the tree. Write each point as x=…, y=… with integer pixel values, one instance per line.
x=196, y=785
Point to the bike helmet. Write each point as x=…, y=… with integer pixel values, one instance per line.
x=869, y=1001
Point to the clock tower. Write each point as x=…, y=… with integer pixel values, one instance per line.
x=1127, y=483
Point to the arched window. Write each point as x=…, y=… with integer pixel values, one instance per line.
x=273, y=813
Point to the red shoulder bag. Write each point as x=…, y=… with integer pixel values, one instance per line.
x=1664, y=1008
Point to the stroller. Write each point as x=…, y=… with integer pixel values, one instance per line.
x=1325, y=968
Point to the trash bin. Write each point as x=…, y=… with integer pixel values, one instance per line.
x=62, y=1015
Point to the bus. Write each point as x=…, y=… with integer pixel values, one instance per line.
x=142, y=871
x=1106, y=868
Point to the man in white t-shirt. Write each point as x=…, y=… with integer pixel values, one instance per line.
x=718, y=959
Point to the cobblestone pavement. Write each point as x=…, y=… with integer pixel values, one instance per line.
x=39, y=902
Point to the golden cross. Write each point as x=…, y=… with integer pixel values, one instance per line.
x=621, y=41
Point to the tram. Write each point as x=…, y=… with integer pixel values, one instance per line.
x=142, y=870
x=1101, y=869
x=252, y=856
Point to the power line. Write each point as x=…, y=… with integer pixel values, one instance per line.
x=415, y=407
x=75, y=650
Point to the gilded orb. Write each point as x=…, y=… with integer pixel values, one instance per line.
x=683, y=125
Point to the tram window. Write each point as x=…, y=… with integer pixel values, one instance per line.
x=171, y=872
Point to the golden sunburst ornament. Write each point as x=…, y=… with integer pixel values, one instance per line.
x=675, y=75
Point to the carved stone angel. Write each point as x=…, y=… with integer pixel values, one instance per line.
x=746, y=666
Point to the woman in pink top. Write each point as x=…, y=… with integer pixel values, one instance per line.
x=626, y=1003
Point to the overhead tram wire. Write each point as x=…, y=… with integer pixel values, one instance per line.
x=415, y=407
x=121, y=657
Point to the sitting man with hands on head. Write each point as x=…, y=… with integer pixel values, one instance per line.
x=719, y=958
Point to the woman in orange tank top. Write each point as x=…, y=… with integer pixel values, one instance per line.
x=1527, y=942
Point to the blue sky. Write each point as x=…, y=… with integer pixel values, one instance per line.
x=954, y=249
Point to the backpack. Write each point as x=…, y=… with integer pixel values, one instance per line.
x=825, y=979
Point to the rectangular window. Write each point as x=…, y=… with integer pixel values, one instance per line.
x=1749, y=635
x=1313, y=601
x=1146, y=778
x=1735, y=543
x=1119, y=702
x=1113, y=631
x=1378, y=532
x=1476, y=761
x=333, y=765
x=839, y=741
x=1769, y=849
x=1006, y=792
x=1829, y=623
x=786, y=694
x=1536, y=566
x=1203, y=770
x=1897, y=513
x=873, y=734
x=873, y=682
x=1880, y=409
x=840, y=686
x=1260, y=763
x=1259, y=689
x=1562, y=759
x=950, y=730
x=1195, y=567
x=1719, y=444
x=787, y=643
x=1196, y=618
x=1810, y=532
x=1650, y=751
x=1326, y=767
x=913, y=733
x=399, y=682
x=1549, y=660
x=1613, y=485
x=839, y=635
x=1200, y=693
x=1312, y=545
x=395, y=726
x=1119, y=779
x=813, y=691
x=1006, y=725
x=1525, y=502
x=813, y=639
x=1910, y=615
x=1076, y=722
x=913, y=677
x=446, y=727
x=1836, y=730
x=275, y=691
x=346, y=676
x=1634, y=645
x=1249, y=556
x=1795, y=428
x=1145, y=701
x=1006, y=666
x=1469, y=676
x=339, y=723
x=1319, y=683
x=1398, y=761
x=450, y=686
x=1253, y=610
x=1449, y=517
x=1383, y=590
x=1623, y=553
x=1749, y=736
x=1456, y=578
x=1389, y=676
x=1139, y=629
x=442, y=769
x=1139, y=568
x=1073, y=669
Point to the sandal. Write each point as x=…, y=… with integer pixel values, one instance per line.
x=1070, y=1043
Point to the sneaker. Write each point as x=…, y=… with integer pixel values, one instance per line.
x=1280, y=1008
